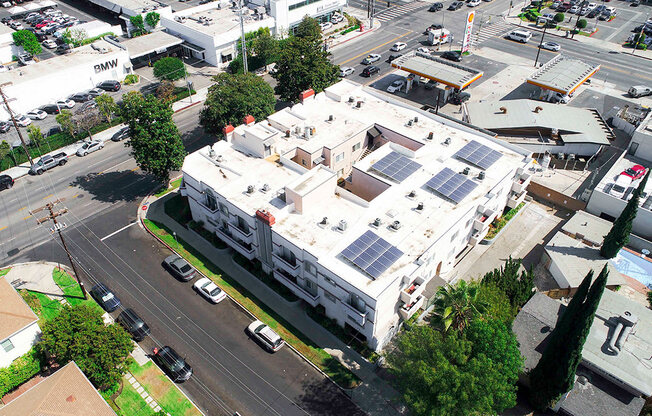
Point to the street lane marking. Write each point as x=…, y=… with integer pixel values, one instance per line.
x=116, y=232
x=115, y=166
x=22, y=208
x=49, y=196
x=373, y=49
x=135, y=169
x=28, y=217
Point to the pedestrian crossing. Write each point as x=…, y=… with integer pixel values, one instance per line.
x=394, y=12
x=490, y=30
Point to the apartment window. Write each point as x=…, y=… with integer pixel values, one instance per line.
x=340, y=173
x=211, y=201
x=358, y=303
x=454, y=235
x=224, y=210
x=311, y=287
x=469, y=222
x=355, y=147
x=339, y=157
x=242, y=224
x=330, y=297
x=310, y=268
x=7, y=345
x=303, y=162
x=331, y=281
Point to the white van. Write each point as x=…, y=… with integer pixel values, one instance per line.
x=522, y=36
x=639, y=91
x=619, y=188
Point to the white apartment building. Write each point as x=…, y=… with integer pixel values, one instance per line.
x=354, y=201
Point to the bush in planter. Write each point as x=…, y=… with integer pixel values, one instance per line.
x=131, y=79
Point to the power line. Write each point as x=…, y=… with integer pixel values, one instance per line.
x=13, y=120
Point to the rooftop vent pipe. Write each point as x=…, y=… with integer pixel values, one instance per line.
x=503, y=110
x=538, y=109
x=626, y=323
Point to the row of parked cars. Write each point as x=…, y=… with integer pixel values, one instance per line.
x=172, y=363
x=625, y=180
x=584, y=8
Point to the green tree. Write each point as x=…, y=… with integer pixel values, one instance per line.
x=155, y=141
x=308, y=29
x=559, y=17
x=106, y=106
x=455, y=374
x=169, y=68
x=232, y=97
x=138, y=23
x=301, y=65
x=518, y=286
x=554, y=374
x=581, y=24
x=266, y=48
x=498, y=305
x=618, y=236
x=35, y=135
x=152, y=19
x=64, y=119
x=455, y=306
x=649, y=292
x=86, y=121
x=79, y=334
x=165, y=91
x=5, y=150
x=28, y=41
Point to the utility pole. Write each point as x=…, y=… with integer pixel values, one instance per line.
x=371, y=18
x=57, y=228
x=545, y=26
x=13, y=120
x=640, y=34
x=244, y=43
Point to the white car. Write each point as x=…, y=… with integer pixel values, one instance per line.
x=592, y=6
x=209, y=290
x=265, y=335
x=22, y=120
x=37, y=114
x=619, y=188
x=50, y=44
x=65, y=103
x=574, y=9
x=336, y=18
x=551, y=46
x=325, y=26
x=370, y=59
x=345, y=71
x=398, y=46
x=90, y=147
x=396, y=85
x=424, y=50
x=473, y=3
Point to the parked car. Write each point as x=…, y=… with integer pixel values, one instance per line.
x=551, y=46
x=26, y=59
x=104, y=297
x=266, y=336
x=370, y=59
x=619, y=188
x=80, y=97
x=396, y=85
x=50, y=44
x=179, y=267
x=110, y=85
x=369, y=71
x=121, y=134
x=6, y=182
x=345, y=71
x=574, y=9
x=423, y=49
x=51, y=108
x=639, y=91
x=398, y=46
x=394, y=56
x=88, y=105
x=172, y=363
x=435, y=7
x=452, y=56
x=325, y=26
x=336, y=18
x=63, y=49
x=95, y=92
x=209, y=290
x=134, y=324
x=4, y=126
x=473, y=3
x=459, y=98
x=48, y=162
x=37, y=114
x=635, y=172
x=456, y=5
x=65, y=103
x=90, y=147
x=40, y=36
x=22, y=120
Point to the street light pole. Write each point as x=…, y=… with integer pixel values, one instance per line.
x=244, y=43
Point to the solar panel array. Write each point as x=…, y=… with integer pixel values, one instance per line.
x=396, y=166
x=372, y=254
x=478, y=154
x=452, y=185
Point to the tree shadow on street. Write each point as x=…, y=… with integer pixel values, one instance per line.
x=322, y=397
x=127, y=185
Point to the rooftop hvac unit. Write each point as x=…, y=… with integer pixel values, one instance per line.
x=430, y=135
x=377, y=222
x=447, y=141
x=412, y=194
x=416, y=119
x=481, y=175
x=420, y=206
x=359, y=104
x=466, y=171
x=250, y=189
x=351, y=99
x=331, y=118
x=342, y=225
x=297, y=130
x=265, y=188
x=287, y=133
x=307, y=132
x=396, y=225
x=324, y=221
x=410, y=122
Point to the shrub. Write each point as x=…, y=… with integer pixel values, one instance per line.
x=559, y=17
x=131, y=79
x=169, y=68
x=21, y=370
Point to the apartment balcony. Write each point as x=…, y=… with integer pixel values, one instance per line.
x=285, y=264
x=481, y=224
x=358, y=317
x=243, y=248
x=291, y=283
x=478, y=236
x=521, y=183
x=412, y=292
x=409, y=309
x=245, y=236
x=515, y=199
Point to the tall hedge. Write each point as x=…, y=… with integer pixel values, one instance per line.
x=21, y=370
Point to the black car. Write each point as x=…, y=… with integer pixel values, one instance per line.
x=4, y=126
x=51, y=109
x=80, y=97
x=459, y=98
x=395, y=56
x=456, y=5
x=63, y=49
x=179, y=268
x=369, y=71
x=172, y=363
x=134, y=324
x=6, y=182
x=121, y=134
x=107, y=300
x=40, y=36
x=88, y=105
x=435, y=7
x=110, y=85
x=452, y=56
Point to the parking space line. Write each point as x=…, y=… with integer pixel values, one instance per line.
x=373, y=49
x=117, y=231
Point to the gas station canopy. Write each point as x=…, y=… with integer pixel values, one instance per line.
x=437, y=69
x=563, y=74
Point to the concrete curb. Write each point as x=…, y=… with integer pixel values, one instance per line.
x=377, y=26
x=488, y=242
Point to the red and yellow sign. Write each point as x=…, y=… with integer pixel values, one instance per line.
x=466, y=43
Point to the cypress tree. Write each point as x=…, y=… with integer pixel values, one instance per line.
x=618, y=236
x=554, y=374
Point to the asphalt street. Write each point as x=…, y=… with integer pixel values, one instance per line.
x=102, y=192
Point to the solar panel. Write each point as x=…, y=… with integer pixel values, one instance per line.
x=372, y=254
x=452, y=185
x=478, y=154
x=396, y=166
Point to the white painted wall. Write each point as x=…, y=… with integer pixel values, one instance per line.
x=642, y=142
x=601, y=202
x=23, y=341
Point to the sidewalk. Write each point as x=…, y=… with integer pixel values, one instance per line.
x=374, y=395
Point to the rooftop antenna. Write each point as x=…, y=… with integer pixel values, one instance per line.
x=244, y=43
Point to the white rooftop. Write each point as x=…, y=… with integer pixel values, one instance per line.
x=623, y=163
x=420, y=229
x=216, y=21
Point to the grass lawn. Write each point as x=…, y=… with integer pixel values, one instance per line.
x=130, y=403
x=173, y=185
x=44, y=307
x=4, y=271
x=71, y=289
x=331, y=366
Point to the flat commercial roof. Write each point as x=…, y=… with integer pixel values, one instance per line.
x=154, y=42
x=437, y=69
x=575, y=125
x=118, y=6
x=563, y=74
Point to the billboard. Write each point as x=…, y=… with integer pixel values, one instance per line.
x=466, y=43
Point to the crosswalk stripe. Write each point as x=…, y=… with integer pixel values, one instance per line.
x=388, y=14
x=490, y=31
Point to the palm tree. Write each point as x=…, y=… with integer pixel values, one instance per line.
x=455, y=306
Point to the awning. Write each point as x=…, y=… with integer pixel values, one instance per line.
x=438, y=69
x=227, y=52
x=193, y=47
x=319, y=160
